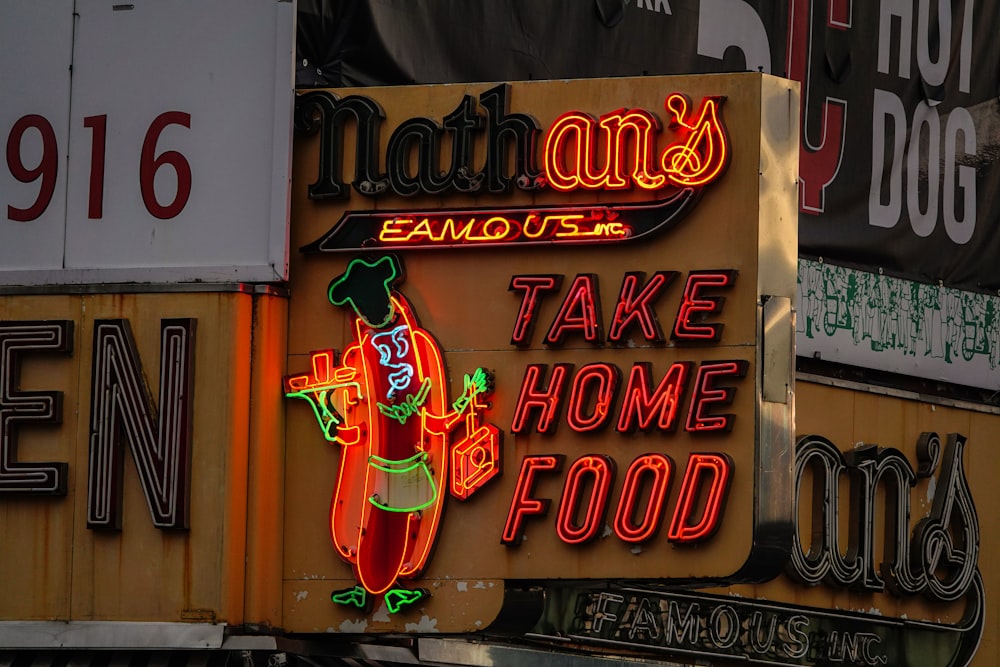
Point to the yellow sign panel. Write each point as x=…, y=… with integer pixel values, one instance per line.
x=538, y=331
x=127, y=442
x=891, y=495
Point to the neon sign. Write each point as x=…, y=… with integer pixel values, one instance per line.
x=937, y=558
x=708, y=475
x=723, y=628
x=576, y=144
x=123, y=418
x=523, y=226
x=616, y=152
x=878, y=548
x=594, y=473
x=658, y=468
x=694, y=302
x=576, y=140
x=653, y=165
x=705, y=151
x=524, y=503
x=420, y=138
x=580, y=311
x=594, y=396
x=584, y=500
x=403, y=446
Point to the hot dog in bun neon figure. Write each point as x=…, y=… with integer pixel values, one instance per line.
x=402, y=445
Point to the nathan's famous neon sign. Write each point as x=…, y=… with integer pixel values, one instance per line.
x=617, y=151
x=405, y=447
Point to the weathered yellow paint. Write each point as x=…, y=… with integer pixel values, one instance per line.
x=266, y=470
x=850, y=417
x=52, y=566
x=36, y=560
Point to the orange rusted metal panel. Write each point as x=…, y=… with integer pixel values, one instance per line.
x=65, y=559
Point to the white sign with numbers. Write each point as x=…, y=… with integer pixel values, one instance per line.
x=145, y=141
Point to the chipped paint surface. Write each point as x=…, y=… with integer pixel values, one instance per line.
x=381, y=614
x=453, y=606
x=353, y=627
x=426, y=624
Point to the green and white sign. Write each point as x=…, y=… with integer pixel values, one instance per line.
x=889, y=324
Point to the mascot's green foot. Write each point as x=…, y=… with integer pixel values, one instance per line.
x=397, y=598
x=351, y=597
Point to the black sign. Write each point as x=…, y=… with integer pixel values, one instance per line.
x=938, y=559
x=758, y=632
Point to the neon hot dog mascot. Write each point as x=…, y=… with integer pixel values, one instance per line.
x=402, y=444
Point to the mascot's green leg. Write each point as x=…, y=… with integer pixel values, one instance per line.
x=397, y=598
x=352, y=597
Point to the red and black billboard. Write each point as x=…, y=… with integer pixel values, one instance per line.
x=900, y=117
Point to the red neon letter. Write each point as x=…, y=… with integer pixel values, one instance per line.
x=703, y=150
x=572, y=130
x=639, y=408
x=523, y=504
x=714, y=470
x=580, y=311
x=658, y=468
x=575, y=142
x=644, y=128
x=601, y=470
x=706, y=394
x=531, y=286
x=599, y=381
x=635, y=308
x=546, y=401
x=694, y=302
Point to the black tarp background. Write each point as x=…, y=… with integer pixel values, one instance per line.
x=915, y=82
